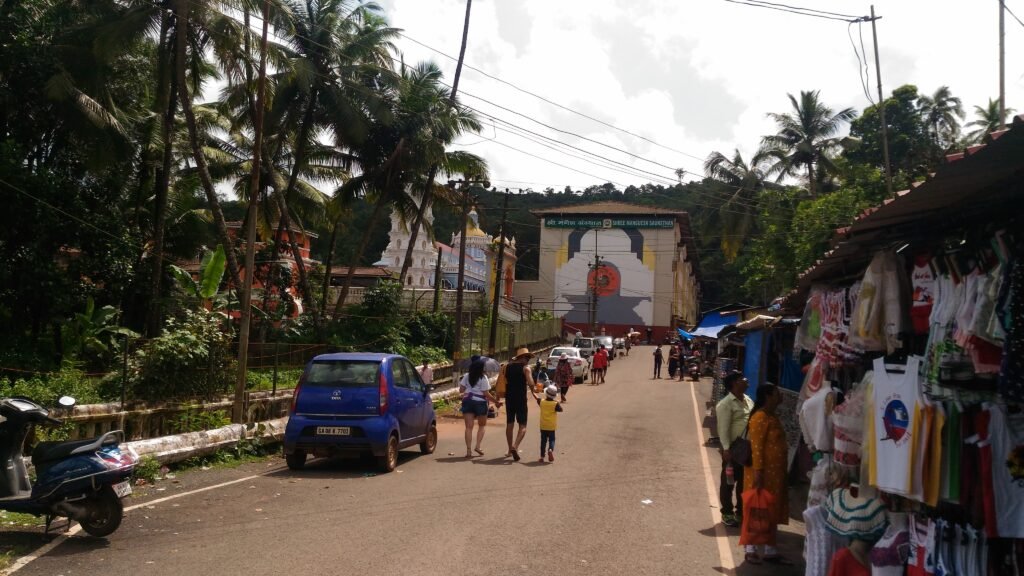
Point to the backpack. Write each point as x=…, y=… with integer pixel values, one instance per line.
x=499, y=386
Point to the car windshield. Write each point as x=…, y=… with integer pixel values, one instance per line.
x=567, y=351
x=343, y=373
x=606, y=340
x=584, y=343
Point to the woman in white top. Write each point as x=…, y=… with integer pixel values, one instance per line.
x=476, y=391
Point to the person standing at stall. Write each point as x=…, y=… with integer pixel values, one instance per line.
x=767, y=471
x=731, y=415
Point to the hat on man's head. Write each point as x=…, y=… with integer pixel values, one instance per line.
x=551, y=391
x=563, y=356
x=523, y=352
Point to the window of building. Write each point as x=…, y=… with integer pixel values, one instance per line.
x=423, y=282
x=399, y=242
x=408, y=280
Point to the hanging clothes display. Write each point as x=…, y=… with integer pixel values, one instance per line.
x=879, y=317
x=896, y=419
x=1006, y=438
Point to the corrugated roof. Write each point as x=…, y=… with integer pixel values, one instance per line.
x=608, y=208
x=983, y=184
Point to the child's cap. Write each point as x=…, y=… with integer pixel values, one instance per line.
x=551, y=392
x=563, y=356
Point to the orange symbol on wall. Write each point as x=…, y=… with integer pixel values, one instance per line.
x=604, y=280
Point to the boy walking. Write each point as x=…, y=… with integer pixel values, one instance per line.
x=658, y=357
x=549, y=409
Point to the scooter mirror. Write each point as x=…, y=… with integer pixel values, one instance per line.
x=66, y=401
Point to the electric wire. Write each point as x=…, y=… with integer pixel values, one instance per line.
x=800, y=11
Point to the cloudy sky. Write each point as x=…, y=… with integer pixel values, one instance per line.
x=687, y=77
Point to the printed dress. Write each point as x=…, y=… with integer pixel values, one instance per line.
x=771, y=454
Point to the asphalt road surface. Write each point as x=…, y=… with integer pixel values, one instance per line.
x=629, y=493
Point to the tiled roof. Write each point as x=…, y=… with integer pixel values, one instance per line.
x=364, y=271
x=609, y=207
x=981, y=185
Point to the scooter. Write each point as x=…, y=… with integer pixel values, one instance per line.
x=693, y=368
x=82, y=480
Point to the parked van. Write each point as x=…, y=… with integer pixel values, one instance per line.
x=587, y=346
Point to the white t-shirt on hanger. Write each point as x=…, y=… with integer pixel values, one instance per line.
x=895, y=404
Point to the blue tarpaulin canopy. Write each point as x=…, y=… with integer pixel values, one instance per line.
x=712, y=323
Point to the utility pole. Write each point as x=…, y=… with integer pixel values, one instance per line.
x=238, y=408
x=457, y=355
x=881, y=106
x=1002, y=61
x=437, y=282
x=593, y=295
x=496, y=291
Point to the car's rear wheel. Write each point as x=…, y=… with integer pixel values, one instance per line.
x=296, y=460
x=389, y=461
x=430, y=442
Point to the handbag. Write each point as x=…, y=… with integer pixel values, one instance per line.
x=740, y=451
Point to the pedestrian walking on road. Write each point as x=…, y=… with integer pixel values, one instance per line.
x=658, y=357
x=563, y=375
x=600, y=365
x=731, y=415
x=628, y=341
x=770, y=453
x=673, y=361
x=476, y=391
x=549, y=409
x=426, y=373
x=518, y=383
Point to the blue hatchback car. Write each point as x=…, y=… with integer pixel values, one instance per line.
x=359, y=403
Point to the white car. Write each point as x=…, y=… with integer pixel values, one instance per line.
x=580, y=365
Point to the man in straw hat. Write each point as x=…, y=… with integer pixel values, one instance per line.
x=518, y=381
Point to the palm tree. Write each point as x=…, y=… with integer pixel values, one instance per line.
x=340, y=54
x=942, y=114
x=432, y=122
x=987, y=121
x=426, y=199
x=739, y=213
x=806, y=139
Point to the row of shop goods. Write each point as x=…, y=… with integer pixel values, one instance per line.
x=959, y=311
x=923, y=450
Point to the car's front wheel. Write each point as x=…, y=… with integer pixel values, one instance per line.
x=389, y=461
x=430, y=442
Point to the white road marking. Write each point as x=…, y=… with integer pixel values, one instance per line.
x=724, y=553
x=44, y=550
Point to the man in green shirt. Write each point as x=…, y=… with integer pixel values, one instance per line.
x=732, y=413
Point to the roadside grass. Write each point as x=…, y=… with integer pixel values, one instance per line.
x=20, y=536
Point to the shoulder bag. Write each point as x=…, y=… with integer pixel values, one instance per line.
x=740, y=451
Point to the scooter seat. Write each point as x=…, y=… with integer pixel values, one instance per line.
x=50, y=451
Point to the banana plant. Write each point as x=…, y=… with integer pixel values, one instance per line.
x=93, y=333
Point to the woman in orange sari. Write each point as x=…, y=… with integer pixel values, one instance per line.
x=770, y=455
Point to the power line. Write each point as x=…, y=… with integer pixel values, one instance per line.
x=553, y=103
x=801, y=11
x=801, y=8
x=1007, y=8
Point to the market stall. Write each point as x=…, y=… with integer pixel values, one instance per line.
x=912, y=402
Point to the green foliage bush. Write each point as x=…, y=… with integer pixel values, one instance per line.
x=47, y=388
x=417, y=354
x=192, y=358
x=430, y=329
x=197, y=421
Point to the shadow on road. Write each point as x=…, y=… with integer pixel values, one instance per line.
x=342, y=467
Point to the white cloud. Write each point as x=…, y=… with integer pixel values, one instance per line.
x=696, y=76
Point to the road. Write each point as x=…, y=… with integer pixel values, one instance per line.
x=628, y=493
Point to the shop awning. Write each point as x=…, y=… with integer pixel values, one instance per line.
x=712, y=323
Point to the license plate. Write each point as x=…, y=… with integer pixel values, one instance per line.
x=122, y=489
x=333, y=431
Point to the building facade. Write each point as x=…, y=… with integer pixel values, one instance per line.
x=610, y=266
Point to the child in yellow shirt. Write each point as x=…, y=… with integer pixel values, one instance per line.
x=549, y=409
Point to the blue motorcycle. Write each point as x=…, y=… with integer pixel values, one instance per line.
x=82, y=480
